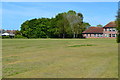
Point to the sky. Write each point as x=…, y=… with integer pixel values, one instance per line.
x=59, y=0
x=15, y=13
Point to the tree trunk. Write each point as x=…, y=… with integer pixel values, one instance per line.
x=74, y=35
x=63, y=35
x=59, y=35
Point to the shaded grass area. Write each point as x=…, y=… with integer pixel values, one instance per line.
x=60, y=58
x=81, y=45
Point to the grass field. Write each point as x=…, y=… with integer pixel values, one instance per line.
x=60, y=58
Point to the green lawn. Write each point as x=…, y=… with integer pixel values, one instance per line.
x=60, y=58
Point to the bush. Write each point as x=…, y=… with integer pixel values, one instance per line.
x=19, y=36
x=5, y=37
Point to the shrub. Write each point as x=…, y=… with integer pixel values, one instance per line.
x=5, y=37
x=19, y=36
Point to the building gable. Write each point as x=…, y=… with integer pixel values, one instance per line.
x=111, y=24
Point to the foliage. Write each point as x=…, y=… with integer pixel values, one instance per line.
x=7, y=37
x=19, y=36
x=118, y=26
x=118, y=38
x=64, y=25
x=4, y=37
x=99, y=25
x=17, y=32
x=36, y=28
x=86, y=25
x=75, y=21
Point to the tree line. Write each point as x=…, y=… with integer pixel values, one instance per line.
x=64, y=25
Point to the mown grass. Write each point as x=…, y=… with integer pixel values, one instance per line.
x=60, y=58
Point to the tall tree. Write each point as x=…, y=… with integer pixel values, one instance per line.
x=36, y=28
x=118, y=24
x=75, y=20
x=62, y=24
x=25, y=29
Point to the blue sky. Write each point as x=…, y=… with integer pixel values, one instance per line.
x=60, y=0
x=15, y=13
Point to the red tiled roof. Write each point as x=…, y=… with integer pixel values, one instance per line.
x=10, y=31
x=94, y=30
x=111, y=24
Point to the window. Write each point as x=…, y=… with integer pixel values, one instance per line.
x=100, y=35
x=94, y=35
x=114, y=29
x=86, y=35
x=106, y=35
x=110, y=30
x=105, y=29
x=109, y=35
x=97, y=35
x=113, y=35
x=90, y=35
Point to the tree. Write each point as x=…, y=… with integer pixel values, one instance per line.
x=64, y=25
x=99, y=25
x=53, y=31
x=36, y=28
x=24, y=29
x=17, y=32
x=118, y=25
x=86, y=25
x=82, y=28
x=75, y=21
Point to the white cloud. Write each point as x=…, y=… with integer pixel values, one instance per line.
x=60, y=0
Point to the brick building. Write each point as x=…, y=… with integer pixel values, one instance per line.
x=108, y=31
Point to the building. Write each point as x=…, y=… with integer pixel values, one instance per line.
x=108, y=31
x=8, y=34
x=11, y=31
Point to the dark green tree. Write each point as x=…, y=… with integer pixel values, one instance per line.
x=118, y=25
x=25, y=29
x=36, y=28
